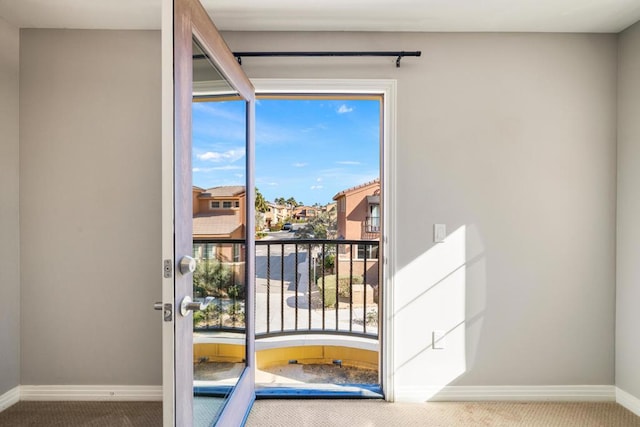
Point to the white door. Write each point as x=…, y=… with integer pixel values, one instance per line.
x=187, y=27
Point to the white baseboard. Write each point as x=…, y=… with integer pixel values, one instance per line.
x=9, y=398
x=578, y=393
x=91, y=392
x=627, y=400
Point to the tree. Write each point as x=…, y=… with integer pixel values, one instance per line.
x=261, y=203
x=291, y=201
x=280, y=201
x=321, y=226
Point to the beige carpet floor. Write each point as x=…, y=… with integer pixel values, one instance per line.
x=86, y=414
x=347, y=413
x=370, y=413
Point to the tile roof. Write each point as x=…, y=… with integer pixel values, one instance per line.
x=357, y=187
x=216, y=224
x=226, y=191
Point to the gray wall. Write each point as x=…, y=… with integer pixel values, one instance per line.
x=90, y=202
x=509, y=139
x=9, y=212
x=628, y=248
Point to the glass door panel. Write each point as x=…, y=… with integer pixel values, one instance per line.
x=219, y=231
x=214, y=274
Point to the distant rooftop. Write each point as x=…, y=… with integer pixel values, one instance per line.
x=357, y=187
x=224, y=191
x=215, y=224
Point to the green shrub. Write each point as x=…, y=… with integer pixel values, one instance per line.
x=198, y=318
x=329, y=288
x=330, y=262
x=213, y=278
x=276, y=227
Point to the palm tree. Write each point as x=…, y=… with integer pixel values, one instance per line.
x=261, y=203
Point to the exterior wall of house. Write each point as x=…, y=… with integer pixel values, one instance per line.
x=509, y=140
x=356, y=212
x=90, y=129
x=195, y=201
x=628, y=242
x=203, y=205
x=276, y=214
x=357, y=267
x=9, y=210
x=350, y=226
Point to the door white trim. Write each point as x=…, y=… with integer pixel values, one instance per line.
x=168, y=364
x=387, y=88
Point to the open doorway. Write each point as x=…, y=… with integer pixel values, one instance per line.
x=319, y=221
x=318, y=228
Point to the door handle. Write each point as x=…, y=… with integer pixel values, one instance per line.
x=188, y=305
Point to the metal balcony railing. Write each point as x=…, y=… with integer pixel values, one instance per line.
x=306, y=286
x=317, y=286
x=372, y=224
x=220, y=273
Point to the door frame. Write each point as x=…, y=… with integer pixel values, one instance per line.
x=388, y=89
x=181, y=21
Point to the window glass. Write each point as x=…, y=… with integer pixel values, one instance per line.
x=371, y=251
x=209, y=251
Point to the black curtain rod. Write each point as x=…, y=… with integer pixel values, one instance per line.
x=398, y=54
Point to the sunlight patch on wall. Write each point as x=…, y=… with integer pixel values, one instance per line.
x=431, y=299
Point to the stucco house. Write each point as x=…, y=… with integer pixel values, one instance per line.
x=304, y=213
x=276, y=213
x=218, y=214
x=358, y=218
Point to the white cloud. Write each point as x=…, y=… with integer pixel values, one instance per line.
x=319, y=126
x=299, y=165
x=218, y=168
x=344, y=109
x=348, y=162
x=218, y=111
x=223, y=156
x=316, y=187
x=226, y=168
x=319, y=179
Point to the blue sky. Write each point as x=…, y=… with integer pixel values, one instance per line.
x=306, y=149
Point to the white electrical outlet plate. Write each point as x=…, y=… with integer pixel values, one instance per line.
x=437, y=340
x=439, y=233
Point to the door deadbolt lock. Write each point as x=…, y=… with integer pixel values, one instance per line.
x=187, y=265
